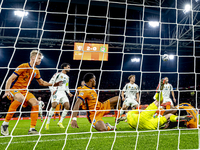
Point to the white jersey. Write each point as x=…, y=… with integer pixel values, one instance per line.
x=60, y=77
x=41, y=104
x=131, y=90
x=166, y=90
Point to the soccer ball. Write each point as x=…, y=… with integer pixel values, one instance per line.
x=165, y=57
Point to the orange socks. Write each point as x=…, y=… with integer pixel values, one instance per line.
x=168, y=106
x=34, y=116
x=13, y=107
x=108, y=128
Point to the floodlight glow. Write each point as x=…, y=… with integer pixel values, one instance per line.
x=187, y=8
x=20, y=13
x=154, y=24
x=135, y=60
x=42, y=57
x=171, y=56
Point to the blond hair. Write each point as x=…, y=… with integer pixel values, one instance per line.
x=34, y=53
x=131, y=76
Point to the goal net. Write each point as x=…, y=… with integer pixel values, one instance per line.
x=112, y=39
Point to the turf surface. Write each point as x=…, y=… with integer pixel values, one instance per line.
x=124, y=138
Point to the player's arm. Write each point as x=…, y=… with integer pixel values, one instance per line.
x=67, y=89
x=173, y=94
x=75, y=113
x=123, y=98
x=137, y=95
x=124, y=89
x=8, y=85
x=45, y=83
x=43, y=104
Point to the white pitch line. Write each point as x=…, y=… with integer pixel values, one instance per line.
x=85, y=138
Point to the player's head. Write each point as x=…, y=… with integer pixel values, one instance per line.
x=39, y=98
x=90, y=78
x=82, y=83
x=36, y=56
x=65, y=66
x=131, y=78
x=166, y=80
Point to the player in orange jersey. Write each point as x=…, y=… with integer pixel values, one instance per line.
x=78, y=90
x=57, y=111
x=16, y=90
x=96, y=109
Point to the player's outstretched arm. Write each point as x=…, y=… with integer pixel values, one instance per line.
x=75, y=113
x=8, y=85
x=173, y=96
x=44, y=83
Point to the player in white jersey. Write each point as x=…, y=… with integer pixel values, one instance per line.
x=41, y=106
x=166, y=93
x=130, y=95
x=59, y=95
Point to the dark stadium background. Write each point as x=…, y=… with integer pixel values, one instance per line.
x=123, y=35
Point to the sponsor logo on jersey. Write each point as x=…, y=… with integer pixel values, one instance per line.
x=81, y=93
x=129, y=87
x=61, y=77
x=15, y=91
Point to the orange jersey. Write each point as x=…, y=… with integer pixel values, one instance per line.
x=25, y=73
x=82, y=104
x=89, y=98
x=58, y=107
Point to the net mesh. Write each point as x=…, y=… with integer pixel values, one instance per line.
x=136, y=46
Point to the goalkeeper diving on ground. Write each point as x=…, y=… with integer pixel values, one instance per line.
x=144, y=119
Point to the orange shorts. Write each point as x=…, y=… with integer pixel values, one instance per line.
x=28, y=96
x=99, y=114
x=57, y=112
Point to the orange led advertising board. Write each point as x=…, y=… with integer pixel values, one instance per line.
x=91, y=51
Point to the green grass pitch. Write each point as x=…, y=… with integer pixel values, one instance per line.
x=124, y=139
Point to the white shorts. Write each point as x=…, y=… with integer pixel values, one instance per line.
x=40, y=111
x=130, y=102
x=60, y=97
x=168, y=100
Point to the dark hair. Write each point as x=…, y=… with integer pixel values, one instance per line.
x=64, y=65
x=88, y=76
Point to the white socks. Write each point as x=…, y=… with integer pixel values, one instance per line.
x=121, y=112
x=5, y=123
x=51, y=112
x=64, y=113
x=41, y=116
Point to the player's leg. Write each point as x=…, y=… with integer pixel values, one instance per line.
x=40, y=113
x=124, y=107
x=101, y=126
x=115, y=103
x=51, y=112
x=54, y=116
x=18, y=99
x=64, y=113
x=34, y=112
